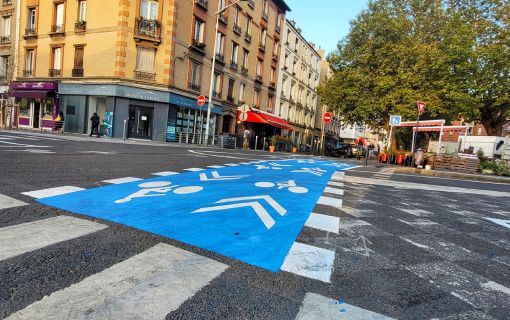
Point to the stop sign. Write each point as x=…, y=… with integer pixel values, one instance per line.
x=327, y=117
x=201, y=101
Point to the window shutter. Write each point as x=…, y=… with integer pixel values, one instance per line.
x=78, y=57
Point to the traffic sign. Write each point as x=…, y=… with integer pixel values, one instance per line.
x=243, y=116
x=421, y=107
x=327, y=117
x=245, y=108
x=201, y=101
x=395, y=120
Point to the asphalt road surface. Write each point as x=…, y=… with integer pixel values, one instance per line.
x=95, y=229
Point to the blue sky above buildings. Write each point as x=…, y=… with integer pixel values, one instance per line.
x=325, y=22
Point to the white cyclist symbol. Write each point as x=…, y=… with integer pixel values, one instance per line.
x=290, y=185
x=157, y=189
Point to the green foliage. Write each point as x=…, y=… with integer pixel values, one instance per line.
x=273, y=140
x=498, y=167
x=453, y=54
x=480, y=153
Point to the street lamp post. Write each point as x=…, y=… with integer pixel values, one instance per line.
x=210, y=103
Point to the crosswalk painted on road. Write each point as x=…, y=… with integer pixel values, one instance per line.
x=51, y=192
x=121, y=180
x=8, y=202
x=146, y=286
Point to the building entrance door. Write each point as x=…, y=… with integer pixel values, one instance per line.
x=36, y=109
x=140, y=122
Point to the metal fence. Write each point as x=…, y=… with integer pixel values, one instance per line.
x=227, y=141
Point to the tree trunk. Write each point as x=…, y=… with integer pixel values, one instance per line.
x=493, y=123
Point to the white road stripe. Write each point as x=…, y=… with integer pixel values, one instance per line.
x=165, y=173
x=122, y=180
x=336, y=184
x=338, y=176
x=323, y=222
x=146, y=286
x=8, y=202
x=215, y=167
x=232, y=164
x=50, y=192
x=194, y=169
x=30, y=236
x=336, y=191
x=28, y=136
x=319, y=307
x=332, y=202
x=308, y=261
x=18, y=145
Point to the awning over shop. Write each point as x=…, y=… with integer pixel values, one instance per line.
x=442, y=129
x=31, y=93
x=266, y=119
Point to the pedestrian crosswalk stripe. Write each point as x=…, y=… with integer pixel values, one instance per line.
x=316, y=306
x=194, y=169
x=121, y=180
x=336, y=191
x=50, y=192
x=8, y=202
x=146, y=286
x=309, y=261
x=165, y=173
x=215, y=167
x=232, y=164
x=323, y=222
x=30, y=236
x=336, y=184
x=332, y=202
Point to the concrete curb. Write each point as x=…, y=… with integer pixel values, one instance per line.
x=457, y=175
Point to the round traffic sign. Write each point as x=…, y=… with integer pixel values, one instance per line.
x=201, y=100
x=327, y=117
x=243, y=116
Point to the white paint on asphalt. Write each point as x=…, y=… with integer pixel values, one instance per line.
x=97, y=152
x=417, y=244
x=215, y=167
x=30, y=236
x=194, y=169
x=416, y=212
x=504, y=223
x=335, y=184
x=232, y=164
x=146, y=286
x=8, y=202
x=165, y=173
x=424, y=187
x=311, y=262
x=323, y=222
x=494, y=286
x=121, y=180
x=336, y=191
x=316, y=306
x=51, y=192
x=331, y=202
x=19, y=145
x=218, y=155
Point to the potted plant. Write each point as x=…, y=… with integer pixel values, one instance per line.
x=272, y=143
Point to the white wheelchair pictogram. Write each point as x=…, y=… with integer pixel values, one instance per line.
x=290, y=185
x=315, y=171
x=158, y=189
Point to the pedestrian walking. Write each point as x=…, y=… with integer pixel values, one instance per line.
x=360, y=149
x=94, y=120
x=371, y=151
x=246, y=139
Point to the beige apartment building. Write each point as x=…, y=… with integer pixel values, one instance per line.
x=141, y=64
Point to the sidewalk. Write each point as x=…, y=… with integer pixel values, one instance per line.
x=452, y=174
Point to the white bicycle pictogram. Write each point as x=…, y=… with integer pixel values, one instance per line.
x=159, y=188
x=290, y=185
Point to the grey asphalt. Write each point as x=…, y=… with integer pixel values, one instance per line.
x=432, y=255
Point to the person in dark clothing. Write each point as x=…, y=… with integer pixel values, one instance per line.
x=94, y=120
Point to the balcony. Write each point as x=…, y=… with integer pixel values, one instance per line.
x=28, y=73
x=216, y=95
x=251, y=3
x=57, y=29
x=198, y=46
x=237, y=29
x=5, y=40
x=299, y=104
x=291, y=100
x=80, y=26
x=30, y=32
x=144, y=75
x=247, y=37
x=231, y=99
x=149, y=29
x=52, y=73
x=265, y=16
x=244, y=70
x=7, y=2
x=202, y=3
x=233, y=65
x=275, y=57
x=258, y=78
x=262, y=47
x=193, y=86
x=278, y=29
x=272, y=85
x=223, y=18
x=220, y=58
x=78, y=72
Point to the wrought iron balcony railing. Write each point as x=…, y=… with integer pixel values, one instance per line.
x=193, y=86
x=244, y=70
x=247, y=36
x=251, y=3
x=233, y=65
x=237, y=29
x=202, y=3
x=148, y=28
x=54, y=73
x=80, y=26
x=30, y=32
x=57, y=28
x=77, y=72
x=28, y=73
x=144, y=75
x=195, y=44
x=5, y=39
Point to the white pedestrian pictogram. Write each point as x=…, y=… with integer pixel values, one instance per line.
x=249, y=202
x=216, y=177
x=158, y=189
x=315, y=171
x=290, y=185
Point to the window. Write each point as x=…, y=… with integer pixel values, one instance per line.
x=59, y=17
x=275, y=49
x=220, y=48
x=82, y=10
x=248, y=26
x=260, y=67
x=198, y=33
x=78, y=57
x=6, y=27
x=222, y=5
x=265, y=9
x=57, y=58
x=149, y=9
x=217, y=84
x=245, y=58
x=242, y=88
x=32, y=14
x=231, y=84
x=236, y=15
x=194, y=75
x=263, y=34
x=278, y=21
x=235, y=51
x=288, y=36
x=272, y=75
x=256, y=97
x=4, y=66
x=30, y=61
x=145, y=60
x=270, y=104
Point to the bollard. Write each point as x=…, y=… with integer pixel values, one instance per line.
x=124, y=133
x=256, y=141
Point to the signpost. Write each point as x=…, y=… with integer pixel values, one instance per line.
x=421, y=109
x=201, y=102
x=243, y=116
x=394, y=121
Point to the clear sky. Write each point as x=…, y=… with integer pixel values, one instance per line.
x=324, y=22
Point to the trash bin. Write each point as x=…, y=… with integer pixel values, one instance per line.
x=400, y=159
x=419, y=158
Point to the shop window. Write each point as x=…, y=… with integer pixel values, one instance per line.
x=24, y=108
x=47, y=108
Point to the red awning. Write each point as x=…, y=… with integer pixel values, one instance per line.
x=276, y=122
x=444, y=129
x=423, y=123
x=252, y=117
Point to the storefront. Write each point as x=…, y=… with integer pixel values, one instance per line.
x=144, y=110
x=37, y=103
x=263, y=126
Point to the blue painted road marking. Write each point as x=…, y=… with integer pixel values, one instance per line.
x=252, y=212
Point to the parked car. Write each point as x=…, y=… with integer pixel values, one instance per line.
x=338, y=150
